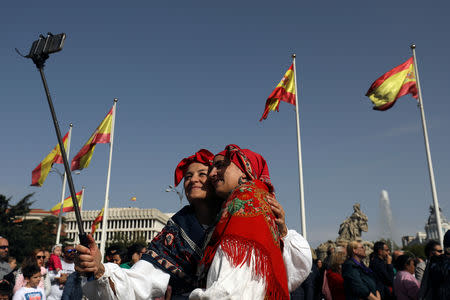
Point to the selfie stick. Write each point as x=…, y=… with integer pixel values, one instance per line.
x=39, y=58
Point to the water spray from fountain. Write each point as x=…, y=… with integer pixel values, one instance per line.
x=386, y=218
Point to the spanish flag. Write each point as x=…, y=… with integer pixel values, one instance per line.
x=68, y=204
x=285, y=91
x=102, y=135
x=97, y=221
x=396, y=83
x=40, y=173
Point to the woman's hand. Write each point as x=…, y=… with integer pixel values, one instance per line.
x=89, y=260
x=278, y=211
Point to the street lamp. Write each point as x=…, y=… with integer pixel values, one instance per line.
x=171, y=188
x=61, y=174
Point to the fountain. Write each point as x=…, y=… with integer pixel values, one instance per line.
x=386, y=218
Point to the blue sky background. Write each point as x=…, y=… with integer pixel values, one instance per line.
x=193, y=74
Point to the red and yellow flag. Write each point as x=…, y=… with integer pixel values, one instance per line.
x=40, y=173
x=394, y=84
x=68, y=204
x=285, y=91
x=97, y=221
x=102, y=135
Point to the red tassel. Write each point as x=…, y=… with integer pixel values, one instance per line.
x=239, y=251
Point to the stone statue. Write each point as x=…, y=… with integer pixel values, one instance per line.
x=352, y=227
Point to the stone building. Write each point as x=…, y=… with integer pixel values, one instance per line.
x=431, y=230
x=132, y=222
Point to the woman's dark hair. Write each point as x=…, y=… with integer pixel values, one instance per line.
x=402, y=261
x=122, y=254
x=5, y=288
x=378, y=246
x=30, y=270
x=31, y=259
x=135, y=248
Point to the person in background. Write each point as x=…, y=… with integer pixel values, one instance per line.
x=436, y=280
x=5, y=290
x=11, y=276
x=119, y=257
x=308, y=290
x=381, y=265
x=58, y=279
x=334, y=276
x=406, y=286
x=4, y=251
x=432, y=248
x=35, y=258
x=54, y=262
x=31, y=290
x=359, y=281
x=47, y=257
x=12, y=261
x=326, y=261
x=110, y=253
x=134, y=254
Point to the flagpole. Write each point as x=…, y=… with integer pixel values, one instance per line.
x=58, y=234
x=76, y=241
x=427, y=149
x=105, y=213
x=299, y=148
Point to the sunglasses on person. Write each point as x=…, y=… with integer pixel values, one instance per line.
x=40, y=256
x=438, y=250
x=4, y=247
x=68, y=251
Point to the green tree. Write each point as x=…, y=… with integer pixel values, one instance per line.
x=24, y=235
x=418, y=250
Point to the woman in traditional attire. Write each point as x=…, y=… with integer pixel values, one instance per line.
x=244, y=258
x=174, y=254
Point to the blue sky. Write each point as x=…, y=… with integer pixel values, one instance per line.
x=193, y=74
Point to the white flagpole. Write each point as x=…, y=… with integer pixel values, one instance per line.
x=299, y=148
x=105, y=213
x=58, y=233
x=81, y=208
x=427, y=149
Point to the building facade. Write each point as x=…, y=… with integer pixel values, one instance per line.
x=431, y=230
x=131, y=223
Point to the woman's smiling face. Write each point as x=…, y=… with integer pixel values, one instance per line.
x=195, y=181
x=224, y=176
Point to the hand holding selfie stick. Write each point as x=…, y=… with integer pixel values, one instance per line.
x=39, y=53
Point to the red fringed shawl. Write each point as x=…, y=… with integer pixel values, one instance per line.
x=247, y=223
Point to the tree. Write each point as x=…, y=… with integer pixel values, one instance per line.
x=121, y=241
x=24, y=235
x=418, y=250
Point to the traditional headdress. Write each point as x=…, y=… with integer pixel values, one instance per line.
x=251, y=163
x=202, y=156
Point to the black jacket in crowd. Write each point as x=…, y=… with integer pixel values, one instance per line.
x=384, y=276
x=358, y=282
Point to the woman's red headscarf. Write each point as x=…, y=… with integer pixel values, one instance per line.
x=202, y=156
x=251, y=163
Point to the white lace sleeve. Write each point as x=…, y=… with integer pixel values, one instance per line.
x=227, y=282
x=142, y=281
x=297, y=258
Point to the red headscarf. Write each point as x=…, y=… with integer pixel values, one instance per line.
x=251, y=163
x=202, y=156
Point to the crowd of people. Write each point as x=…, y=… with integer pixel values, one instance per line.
x=344, y=274
x=230, y=242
